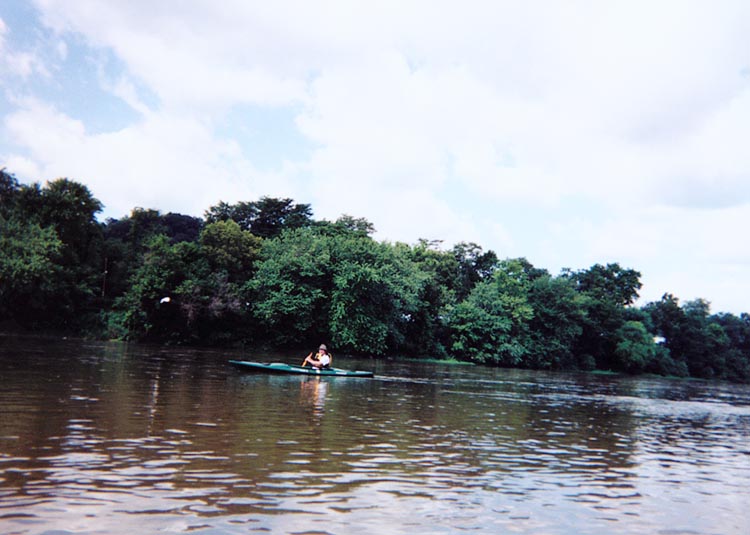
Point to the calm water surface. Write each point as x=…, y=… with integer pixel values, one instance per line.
x=116, y=439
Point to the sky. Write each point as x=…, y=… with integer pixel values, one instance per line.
x=570, y=133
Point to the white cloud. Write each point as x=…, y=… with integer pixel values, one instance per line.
x=165, y=162
x=124, y=89
x=199, y=58
x=21, y=166
x=14, y=63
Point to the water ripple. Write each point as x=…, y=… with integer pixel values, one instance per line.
x=154, y=445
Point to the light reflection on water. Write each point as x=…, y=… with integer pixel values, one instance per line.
x=105, y=438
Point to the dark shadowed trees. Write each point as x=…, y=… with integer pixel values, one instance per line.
x=606, y=291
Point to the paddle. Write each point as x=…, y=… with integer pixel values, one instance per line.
x=304, y=362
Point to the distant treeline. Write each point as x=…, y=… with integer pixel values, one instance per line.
x=267, y=273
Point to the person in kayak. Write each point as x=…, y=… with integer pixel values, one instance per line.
x=322, y=358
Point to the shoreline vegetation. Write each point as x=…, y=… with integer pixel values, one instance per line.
x=265, y=273
x=448, y=361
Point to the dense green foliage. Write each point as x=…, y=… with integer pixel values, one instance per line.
x=266, y=272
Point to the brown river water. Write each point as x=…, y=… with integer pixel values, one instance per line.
x=121, y=439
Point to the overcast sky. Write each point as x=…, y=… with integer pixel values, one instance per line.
x=570, y=133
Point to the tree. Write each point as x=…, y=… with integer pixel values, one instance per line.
x=275, y=215
x=606, y=291
x=165, y=298
x=126, y=239
x=142, y=225
x=635, y=349
x=704, y=342
x=557, y=322
x=28, y=270
x=474, y=265
x=182, y=228
x=737, y=360
x=69, y=210
x=290, y=286
x=491, y=324
x=242, y=213
x=427, y=332
x=347, y=225
x=230, y=249
x=345, y=288
x=265, y=218
x=611, y=283
x=698, y=343
x=8, y=192
x=374, y=297
x=124, y=243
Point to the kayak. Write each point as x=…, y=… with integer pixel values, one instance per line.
x=280, y=367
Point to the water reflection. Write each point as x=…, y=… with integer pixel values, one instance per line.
x=102, y=438
x=313, y=394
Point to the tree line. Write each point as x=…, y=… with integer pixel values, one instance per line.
x=266, y=273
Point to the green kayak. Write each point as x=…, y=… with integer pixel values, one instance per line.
x=279, y=367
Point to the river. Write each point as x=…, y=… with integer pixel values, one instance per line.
x=119, y=439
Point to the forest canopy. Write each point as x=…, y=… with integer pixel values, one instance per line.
x=266, y=273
